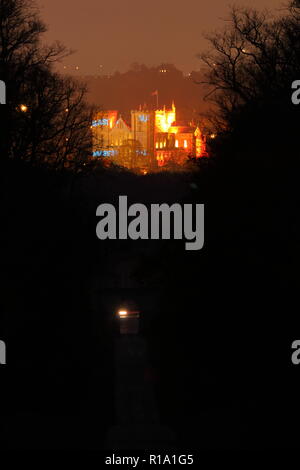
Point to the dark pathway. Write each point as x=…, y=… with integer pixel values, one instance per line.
x=136, y=412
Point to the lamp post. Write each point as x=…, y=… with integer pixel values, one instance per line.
x=129, y=321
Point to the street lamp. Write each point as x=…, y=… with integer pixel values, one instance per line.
x=23, y=108
x=129, y=319
x=122, y=313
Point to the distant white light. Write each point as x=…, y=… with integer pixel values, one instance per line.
x=122, y=313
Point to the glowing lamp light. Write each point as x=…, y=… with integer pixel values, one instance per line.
x=23, y=108
x=122, y=313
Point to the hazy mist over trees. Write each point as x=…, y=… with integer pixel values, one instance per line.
x=129, y=90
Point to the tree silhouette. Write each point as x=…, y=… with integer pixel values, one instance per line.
x=250, y=69
x=46, y=119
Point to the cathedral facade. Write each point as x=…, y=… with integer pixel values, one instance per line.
x=153, y=139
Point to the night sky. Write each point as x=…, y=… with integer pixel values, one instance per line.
x=117, y=33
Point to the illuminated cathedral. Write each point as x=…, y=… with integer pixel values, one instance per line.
x=153, y=139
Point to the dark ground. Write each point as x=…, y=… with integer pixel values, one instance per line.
x=219, y=322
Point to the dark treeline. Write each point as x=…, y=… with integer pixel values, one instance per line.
x=46, y=119
x=219, y=321
x=250, y=69
x=129, y=90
